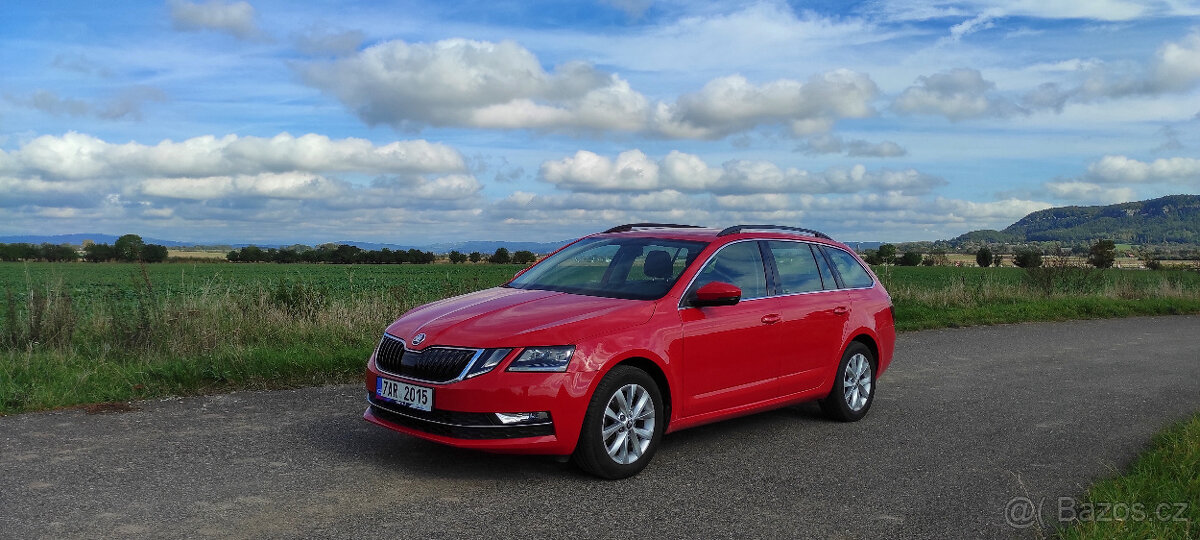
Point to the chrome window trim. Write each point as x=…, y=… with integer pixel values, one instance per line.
x=874, y=281
x=404, y=343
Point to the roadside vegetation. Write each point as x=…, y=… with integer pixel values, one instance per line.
x=75, y=333
x=937, y=297
x=1158, y=497
x=90, y=333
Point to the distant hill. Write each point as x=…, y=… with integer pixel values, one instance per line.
x=483, y=246
x=1174, y=219
x=78, y=238
x=486, y=247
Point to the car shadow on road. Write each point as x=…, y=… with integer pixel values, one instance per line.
x=349, y=438
x=353, y=439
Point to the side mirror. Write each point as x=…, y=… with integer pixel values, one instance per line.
x=716, y=293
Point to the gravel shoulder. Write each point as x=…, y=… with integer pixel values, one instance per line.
x=965, y=421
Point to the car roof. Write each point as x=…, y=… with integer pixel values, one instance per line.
x=709, y=234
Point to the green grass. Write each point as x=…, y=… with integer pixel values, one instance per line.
x=939, y=297
x=1159, y=497
x=73, y=334
x=78, y=333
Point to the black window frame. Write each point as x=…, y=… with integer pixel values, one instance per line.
x=775, y=283
x=837, y=273
x=771, y=269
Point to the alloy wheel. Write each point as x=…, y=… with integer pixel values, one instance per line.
x=856, y=382
x=628, y=424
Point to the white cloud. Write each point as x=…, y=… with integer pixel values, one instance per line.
x=464, y=83
x=1177, y=64
x=283, y=180
x=290, y=185
x=234, y=18
x=957, y=94
x=699, y=41
x=460, y=82
x=983, y=21
x=731, y=104
x=875, y=215
x=1100, y=10
x=80, y=156
x=1174, y=68
x=1047, y=96
x=1123, y=170
x=126, y=104
x=834, y=144
x=633, y=171
x=1090, y=193
x=1113, y=179
x=963, y=93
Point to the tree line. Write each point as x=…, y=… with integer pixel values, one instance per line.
x=348, y=254
x=1102, y=254
x=127, y=248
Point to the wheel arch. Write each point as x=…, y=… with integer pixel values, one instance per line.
x=871, y=344
x=660, y=378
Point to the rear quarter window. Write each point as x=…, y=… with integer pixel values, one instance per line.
x=854, y=276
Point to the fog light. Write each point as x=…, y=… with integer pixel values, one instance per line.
x=522, y=417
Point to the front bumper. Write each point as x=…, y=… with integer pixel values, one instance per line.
x=463, y=411
x=456, y=425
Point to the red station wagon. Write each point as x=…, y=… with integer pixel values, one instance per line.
x=620, y=337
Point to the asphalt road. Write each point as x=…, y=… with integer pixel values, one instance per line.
x=965, y=421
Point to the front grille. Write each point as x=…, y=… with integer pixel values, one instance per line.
x=460, y=425
x=435, y=364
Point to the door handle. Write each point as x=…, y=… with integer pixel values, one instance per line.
x=841, y=311
x=771, y=319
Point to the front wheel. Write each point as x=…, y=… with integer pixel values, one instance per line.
x=854, y=386
x=623, y=425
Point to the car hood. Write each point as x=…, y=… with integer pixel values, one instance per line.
x=508, y=317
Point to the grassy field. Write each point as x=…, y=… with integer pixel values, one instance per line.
x=1159, y=497
x=78, y=333
x=937, y=297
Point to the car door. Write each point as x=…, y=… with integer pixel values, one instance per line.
x=813, y=311
x=731, y=353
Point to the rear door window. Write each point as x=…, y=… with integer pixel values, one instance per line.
x=853, y=275
x=796, y=267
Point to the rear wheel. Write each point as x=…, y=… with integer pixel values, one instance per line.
x=854, y=387
x=623, y=426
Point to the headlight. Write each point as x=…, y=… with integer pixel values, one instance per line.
x=486, y=361
x=543, y=359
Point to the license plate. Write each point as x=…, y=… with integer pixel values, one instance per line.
x=409, y=395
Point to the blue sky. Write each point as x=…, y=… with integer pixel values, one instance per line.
x=422, y=122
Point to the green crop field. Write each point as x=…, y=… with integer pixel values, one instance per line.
x=89, y=282
x=78, y=333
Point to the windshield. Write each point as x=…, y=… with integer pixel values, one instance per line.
x=615, y=267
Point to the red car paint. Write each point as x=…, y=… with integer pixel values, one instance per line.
x=711, y=363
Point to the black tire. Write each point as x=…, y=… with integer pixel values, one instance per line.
x=838, y=404
x=591, y=454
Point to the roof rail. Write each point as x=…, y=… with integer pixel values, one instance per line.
x=739, y=228
x=631, y=226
